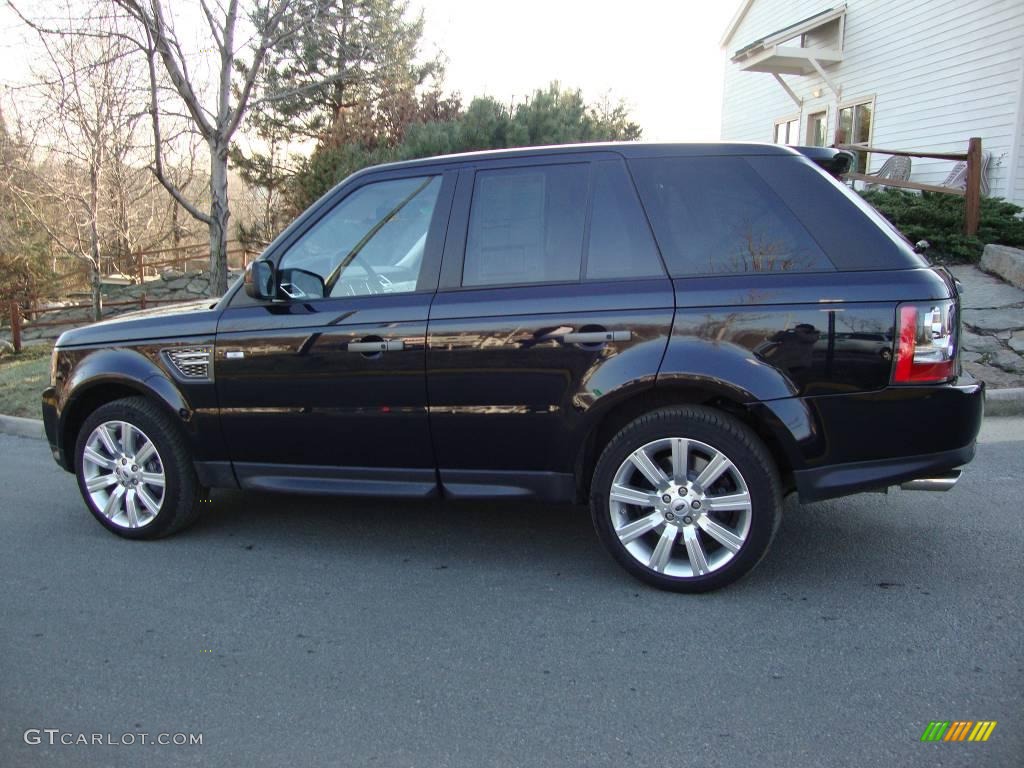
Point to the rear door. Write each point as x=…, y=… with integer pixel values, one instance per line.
x=553, y=298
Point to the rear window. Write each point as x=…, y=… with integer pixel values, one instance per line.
x=717, y=215
x=526, y=225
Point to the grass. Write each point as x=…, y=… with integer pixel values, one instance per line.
x=23, y=377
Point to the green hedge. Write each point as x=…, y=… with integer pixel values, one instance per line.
x=939, y=219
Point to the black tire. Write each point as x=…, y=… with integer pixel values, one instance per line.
x=748, y=456
x=179, y=505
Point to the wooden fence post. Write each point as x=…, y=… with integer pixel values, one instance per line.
x=972, y=200
x=16, y=326
x=142, y=301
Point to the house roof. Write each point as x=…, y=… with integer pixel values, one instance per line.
x=737, y=19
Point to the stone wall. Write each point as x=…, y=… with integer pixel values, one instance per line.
x=172, y=285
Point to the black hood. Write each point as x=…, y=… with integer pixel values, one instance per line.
x=195, y=318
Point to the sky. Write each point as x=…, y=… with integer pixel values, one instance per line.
x=661, y=57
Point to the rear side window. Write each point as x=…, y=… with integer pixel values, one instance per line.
x=620, y=243
x=526, y=225
x=716, y=215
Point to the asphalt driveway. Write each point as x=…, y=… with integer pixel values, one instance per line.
x=291, y=631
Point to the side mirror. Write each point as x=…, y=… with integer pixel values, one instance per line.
x=300, y=284
x=259, y=280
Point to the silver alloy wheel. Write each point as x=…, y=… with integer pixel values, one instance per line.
x=676, y=488
x=123, y=474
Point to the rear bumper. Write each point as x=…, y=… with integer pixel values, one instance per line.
x=858, y=476
x=866, y=441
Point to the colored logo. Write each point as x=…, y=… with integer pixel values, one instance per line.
x=958, y=730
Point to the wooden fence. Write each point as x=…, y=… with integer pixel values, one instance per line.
x=146, y=266
x=16, y=313
x=181, y=257
x=971, y=195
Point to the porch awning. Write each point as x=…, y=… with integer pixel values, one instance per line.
x=802, y=48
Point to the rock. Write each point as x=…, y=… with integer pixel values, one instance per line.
x=198, y=286
x=1010, y=362
x=171, y=274
x=970, y=357
x=179, y=283
x=994, y=377
x=995, y=320
x=1006, y=262
x=975, y=342
x=6, y=348
x=1016, y=342
x=983, y=291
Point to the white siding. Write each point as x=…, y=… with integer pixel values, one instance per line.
x=940, y=71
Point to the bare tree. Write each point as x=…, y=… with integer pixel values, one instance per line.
x=89, y=112
x=241, y=54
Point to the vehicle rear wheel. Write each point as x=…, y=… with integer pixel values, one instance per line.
x=686, y=498
x=134, y=470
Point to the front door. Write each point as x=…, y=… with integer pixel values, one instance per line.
x=323, y=389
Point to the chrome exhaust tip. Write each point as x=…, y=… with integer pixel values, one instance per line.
x=943, y=482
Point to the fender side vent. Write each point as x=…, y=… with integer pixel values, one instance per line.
x=192, y=363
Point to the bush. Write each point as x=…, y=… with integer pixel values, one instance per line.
x=939, y=219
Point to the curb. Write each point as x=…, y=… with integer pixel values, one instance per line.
x=1004, y=402
x=998, y=402
x=16, y=425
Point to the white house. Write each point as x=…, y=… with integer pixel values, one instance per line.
x=896, y=74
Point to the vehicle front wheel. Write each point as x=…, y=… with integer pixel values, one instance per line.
x=134, y=470
x=686, y=498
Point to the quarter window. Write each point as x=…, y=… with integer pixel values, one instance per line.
x=526, y=225
x=372, y=241
x=716, y=215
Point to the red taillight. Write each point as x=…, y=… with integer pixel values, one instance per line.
x=925, y=343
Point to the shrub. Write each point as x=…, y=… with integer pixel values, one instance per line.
x=939, y=219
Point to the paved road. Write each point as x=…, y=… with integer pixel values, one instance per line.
x=294, y=632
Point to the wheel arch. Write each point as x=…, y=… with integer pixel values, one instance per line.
x=112, y=375
x=776, y=436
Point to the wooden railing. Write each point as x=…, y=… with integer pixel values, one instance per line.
x=16, y=312
x=971, y=195
x=183, y=255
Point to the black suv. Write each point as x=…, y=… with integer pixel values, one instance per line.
x=678, y=334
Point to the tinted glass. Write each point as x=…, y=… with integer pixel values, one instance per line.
x=372, y=241
x=526, y=225
x=620, y=244
x=716, y=215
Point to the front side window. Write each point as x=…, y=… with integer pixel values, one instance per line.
x=372, y=241
x=854, y=127
x=526, y=225
x=717, y=215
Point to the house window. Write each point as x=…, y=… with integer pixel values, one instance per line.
x=854, y=127
x=787, y=130
x=817, y=127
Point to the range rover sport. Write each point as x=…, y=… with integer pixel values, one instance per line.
x=678, y=335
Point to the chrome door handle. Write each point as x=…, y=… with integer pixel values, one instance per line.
x=375, y=346
x=596, y=337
